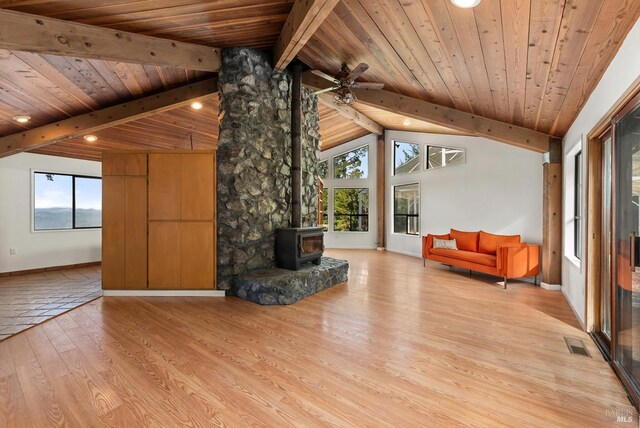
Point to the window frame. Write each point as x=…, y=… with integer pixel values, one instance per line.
x=333, y=210
x=419, y=169
x=426, y=156
x=393, y=231
x=577, y=205
x=73, y=201
x=332, y=173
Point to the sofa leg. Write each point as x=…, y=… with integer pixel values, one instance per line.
x=505, y=283
x=470, y=272
x=424, y=262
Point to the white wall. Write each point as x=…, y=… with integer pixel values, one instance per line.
x=623, y=73
x=498, y=190
x=353, y=239
x=39, y=249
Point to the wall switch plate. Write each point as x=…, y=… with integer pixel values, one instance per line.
x=12, y=251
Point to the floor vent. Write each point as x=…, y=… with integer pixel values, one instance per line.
x=577, y=347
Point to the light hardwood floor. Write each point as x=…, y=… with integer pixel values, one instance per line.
x=398, y=345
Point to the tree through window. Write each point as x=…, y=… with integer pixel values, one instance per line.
x=351, y=210
x=353, y=164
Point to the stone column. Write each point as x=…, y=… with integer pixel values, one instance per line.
x=254, y=161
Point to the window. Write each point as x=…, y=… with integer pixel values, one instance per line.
x=577, y=206
x=323, y=169
x=353, y=164
x=64, y=201
x=406, y=208
x=325, y=210
x=351, y=210
x=406, y=158
x=440, y=157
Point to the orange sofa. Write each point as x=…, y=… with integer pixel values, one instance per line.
x=499, y=255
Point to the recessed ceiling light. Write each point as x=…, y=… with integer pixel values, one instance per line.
x=466, y=4
x=406, y=122
x=90, y=138
x=196, y=105
x=22, y=118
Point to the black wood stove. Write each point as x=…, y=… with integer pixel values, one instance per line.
x=298, y=245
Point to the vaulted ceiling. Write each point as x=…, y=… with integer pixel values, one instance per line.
x=531, y=63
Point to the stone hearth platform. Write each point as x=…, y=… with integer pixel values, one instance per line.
x=283, y=287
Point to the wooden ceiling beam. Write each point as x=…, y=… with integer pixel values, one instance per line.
x=445, y=116
x=33, y=33
x=351, y=114
x=111, y=116
x=305, y=18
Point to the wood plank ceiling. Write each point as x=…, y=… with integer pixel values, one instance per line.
x=531, y=63
x=177, y=129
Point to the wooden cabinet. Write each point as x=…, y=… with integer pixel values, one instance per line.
x=197, y=187
x=165, y=178
x=164, y=255
x=124, y=232
x=113, y=232
x=159, y=228
x=197, y=254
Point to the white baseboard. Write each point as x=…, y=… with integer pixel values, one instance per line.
x=551, y=287
x=406, y=253
x=164, y=293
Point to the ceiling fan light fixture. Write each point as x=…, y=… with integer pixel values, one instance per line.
x=465, y=4
x=344, y=96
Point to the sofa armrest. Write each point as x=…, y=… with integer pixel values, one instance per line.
x=427, y=243
x=518, y=260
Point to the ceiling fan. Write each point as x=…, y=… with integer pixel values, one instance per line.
x=344, y=83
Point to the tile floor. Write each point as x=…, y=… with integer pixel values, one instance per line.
x=27, y=300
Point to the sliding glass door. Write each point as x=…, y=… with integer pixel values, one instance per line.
x=605, y=280
x=627, y=248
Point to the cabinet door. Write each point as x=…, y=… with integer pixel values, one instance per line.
x=113, y=232
x=165, y=178
x=197, y=186
x=164, y=254
x=136, y=233
x=198, y=255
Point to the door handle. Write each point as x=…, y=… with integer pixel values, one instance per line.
x=632, y=251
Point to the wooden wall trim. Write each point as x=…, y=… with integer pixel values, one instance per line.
x=381, y=190
x=111, y=116
x=593, y=239
x=48, y=269
x=33, y=33
x=552, y=219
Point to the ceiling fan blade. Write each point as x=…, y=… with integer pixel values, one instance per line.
x=322, y=91
x=325, y=76
x=366, y=85
x=361, y=68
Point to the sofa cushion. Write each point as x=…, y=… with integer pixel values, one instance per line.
x=467, y=256
x=467, y=241
x=488, y=242
x=448, y=244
